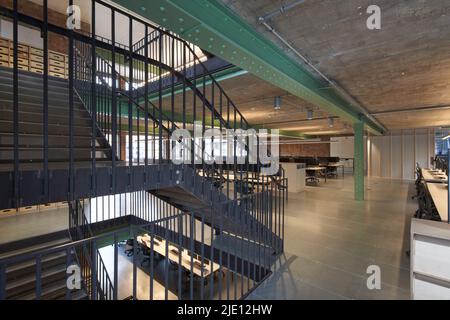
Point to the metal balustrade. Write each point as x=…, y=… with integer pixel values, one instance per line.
x=113, y=130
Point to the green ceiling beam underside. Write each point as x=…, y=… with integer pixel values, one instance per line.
x=214, y=27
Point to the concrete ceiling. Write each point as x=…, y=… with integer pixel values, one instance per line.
x=404, y=65
x=255, y=99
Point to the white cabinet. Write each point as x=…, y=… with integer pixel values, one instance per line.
x=295, y=172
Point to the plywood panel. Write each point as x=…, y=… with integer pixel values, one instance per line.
x=396, y=150
x=408, y=156
x=375, y=162
x=422, y=150
x=343, y=147
x=385, y=157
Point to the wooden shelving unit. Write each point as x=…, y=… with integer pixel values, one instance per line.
x=31, y=59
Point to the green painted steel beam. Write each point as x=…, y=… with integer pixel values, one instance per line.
x=359, y=160
x=214, y=27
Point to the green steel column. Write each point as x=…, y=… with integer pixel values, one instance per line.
x=359, y=160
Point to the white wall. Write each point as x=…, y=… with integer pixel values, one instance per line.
x=343, y=147
x=26, y=35
x=394, y=156
x=391, y=156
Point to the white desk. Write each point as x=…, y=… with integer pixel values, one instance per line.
x=315, y=170
x=337, y=165
x=173, y=255
x=429, y=258
x=430, y=175
x=439, y=193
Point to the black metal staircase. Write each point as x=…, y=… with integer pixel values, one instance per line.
x=23, y=276
x=31, y=126
x=109, y=129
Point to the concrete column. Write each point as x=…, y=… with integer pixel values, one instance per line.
x=359, y=160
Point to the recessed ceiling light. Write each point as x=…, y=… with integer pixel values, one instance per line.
x=330, y=122
x=277, y=103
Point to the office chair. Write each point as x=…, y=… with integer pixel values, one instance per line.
x=427, y=210
x=145, y=254
x=419, y=178
x=129, y=247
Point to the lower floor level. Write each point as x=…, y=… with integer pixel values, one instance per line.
x=330, y=242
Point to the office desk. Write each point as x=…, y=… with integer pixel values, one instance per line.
x=316, y=170
x=251, y=178
x=430, y=175
x=337, y=165
x=439, y=193
x=160, y=247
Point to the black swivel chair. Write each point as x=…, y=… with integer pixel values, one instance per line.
x=145, y=254
x=129, y=247
x=427, y=210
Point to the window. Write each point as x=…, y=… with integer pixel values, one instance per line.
x=442, y=142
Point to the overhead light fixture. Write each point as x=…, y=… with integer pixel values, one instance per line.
x=277, y=103
x=330, y=122
x=309, y=114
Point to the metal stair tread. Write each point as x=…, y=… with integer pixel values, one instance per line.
x=40, y=148
x=35, y=247
x=32, y=278
x=30, y=263
x=50, y=124
x=85, y=118
x=54, y=288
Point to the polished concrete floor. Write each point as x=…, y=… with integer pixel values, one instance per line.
x=26, y=225
x=330, y=240
x=232, y=287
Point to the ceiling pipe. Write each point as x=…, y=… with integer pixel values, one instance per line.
x=280, y=11
x=295, y=121
x=418, y=109
x=263, y=20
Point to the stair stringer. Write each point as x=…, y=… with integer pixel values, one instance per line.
x=190, y=192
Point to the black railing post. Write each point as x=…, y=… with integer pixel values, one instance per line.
x=94, y=277
x=72, y=68
x=113, y=115
x=68, y=263
x=161, y=43
x=16, y=104
x=134, y=264
x=130, y=103
x=2, y=282
x=38, y=284
x=116, y=267
x=152, y=259
x=45, y=105
x=93, y=102
x=146, y=107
